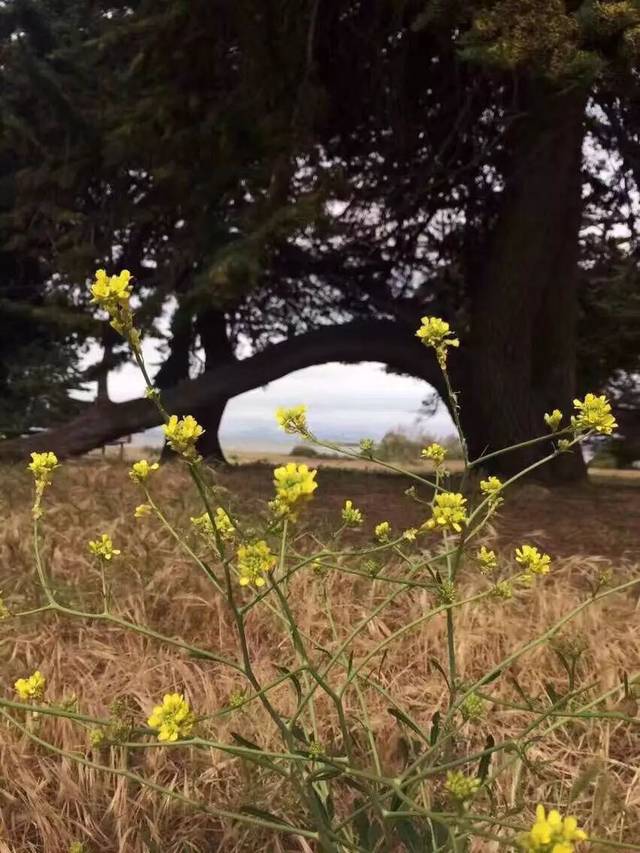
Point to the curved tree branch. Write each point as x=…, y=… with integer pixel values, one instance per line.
x=375, y=340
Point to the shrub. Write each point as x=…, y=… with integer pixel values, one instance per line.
x=399, y=446
x=438, y=793
x=304, y=451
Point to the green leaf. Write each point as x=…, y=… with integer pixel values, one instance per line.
x=324, y=774
x=485, y=761
x=294, y=680
x=492, y=677
x=435, y=728
x=409, y=835
x=552, y=693
x=298, y=733
x=242, y=741
x=402, y=718
x=265, y=815
x=441, y=670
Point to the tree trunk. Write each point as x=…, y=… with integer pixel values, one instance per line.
x=211, y=326
x=522, y=354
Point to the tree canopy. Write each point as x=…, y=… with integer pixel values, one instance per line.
x=272, y=168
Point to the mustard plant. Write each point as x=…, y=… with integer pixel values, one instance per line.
x=440, y=795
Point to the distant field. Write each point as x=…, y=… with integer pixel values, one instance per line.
x=47, y=802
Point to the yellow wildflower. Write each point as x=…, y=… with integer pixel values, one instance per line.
x=410, y=534
x=460, y=786
x=4, y=611
x=472, y=708
x=103, y=549
x=594, y=413
x=142, y=510
x=173, y=719
x=449, y=512
x=435, y=452
x=491, y=488
x=503, y=589
x=254, y=561
x=142, y=469
x=112, y=292
x=437, y=333
x=293, y=420
x=223, y=523
x=552, y=834
x=383, y=531
x=553, y=420
x=351, y=515
x=42, y=466
x=294, y=482
x=487, y=559
x=32, y=687
x=96, y=737
x=532, y=560
x=182, y=434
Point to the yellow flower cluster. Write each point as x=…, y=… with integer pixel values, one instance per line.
x=491, y=488
x=182, y=434
x=173, y=719
x=487, y=559
x=113, y=293
x=472, y=708
x=351, y=515
x=141, y=470
x=435, y=452
x=223, y=523
x=552, y=833
x=293, y=420
x=254, y=561
x=42, y=466
x=103, y=549
x=142, y=510
x=553, y=420
x=383, y=531
x=437, y=333
x=31, y=687
x=533, y=561
x=293, y=482
x=594, y=413
x=503, y=589
x=449, y=512
x=460, y=786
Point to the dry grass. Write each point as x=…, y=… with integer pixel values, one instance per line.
x=46, y=802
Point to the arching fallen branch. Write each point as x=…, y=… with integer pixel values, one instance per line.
x=375, y=340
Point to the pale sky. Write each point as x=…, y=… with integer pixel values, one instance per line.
x=346, y=403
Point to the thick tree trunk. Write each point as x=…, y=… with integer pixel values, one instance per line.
x=211, y=326
x=521, y=359
x=376, y=340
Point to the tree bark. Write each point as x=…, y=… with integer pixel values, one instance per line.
x=521, y=357
x=211, y=325
x=375, y=340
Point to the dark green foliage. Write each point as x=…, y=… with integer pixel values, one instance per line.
x=283, y=165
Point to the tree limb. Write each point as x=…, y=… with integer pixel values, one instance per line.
x=374, y=340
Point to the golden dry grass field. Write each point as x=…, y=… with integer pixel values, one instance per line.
x=48, y=801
